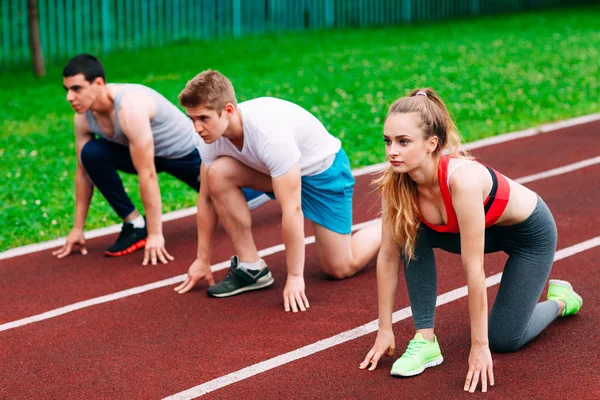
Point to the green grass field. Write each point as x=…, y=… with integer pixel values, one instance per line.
x=496, y=74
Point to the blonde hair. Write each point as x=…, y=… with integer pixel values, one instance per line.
x=398, y=191
x=209, y=89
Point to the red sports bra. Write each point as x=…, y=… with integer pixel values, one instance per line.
x=494, y=205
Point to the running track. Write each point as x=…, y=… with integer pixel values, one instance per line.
x=151, y=343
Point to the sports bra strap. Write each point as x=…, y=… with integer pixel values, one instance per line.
x=457, y=167
x=493, y=191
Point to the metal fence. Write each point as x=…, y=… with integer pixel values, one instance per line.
x=68, y=27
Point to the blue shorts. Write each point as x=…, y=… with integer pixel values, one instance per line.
x=327, y=197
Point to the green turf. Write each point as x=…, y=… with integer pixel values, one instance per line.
x=496, y=74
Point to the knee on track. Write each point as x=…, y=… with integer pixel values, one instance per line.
x=503, y=344
x=338, y=270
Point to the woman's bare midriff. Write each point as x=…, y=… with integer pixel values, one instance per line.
x=520, y=205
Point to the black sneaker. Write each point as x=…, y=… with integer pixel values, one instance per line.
x=130, y=239
x=238, y=280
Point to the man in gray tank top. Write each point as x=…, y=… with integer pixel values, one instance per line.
x=134, y=129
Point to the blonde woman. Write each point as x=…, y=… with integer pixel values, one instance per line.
x=435, y=196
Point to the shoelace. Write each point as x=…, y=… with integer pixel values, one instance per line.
x=231, y=271
x=413, y=348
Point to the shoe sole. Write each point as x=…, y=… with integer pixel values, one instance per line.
x=136, y=246
x=567, y=286
x=261, y=283
x=433, y=363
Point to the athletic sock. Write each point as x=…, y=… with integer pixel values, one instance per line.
x=246, y=266
x=138, y=222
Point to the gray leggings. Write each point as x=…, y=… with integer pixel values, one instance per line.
x=516, y=316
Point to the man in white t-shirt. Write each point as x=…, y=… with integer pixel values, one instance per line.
x=279, y=148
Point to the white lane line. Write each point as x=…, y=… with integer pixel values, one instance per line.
x=224, y=264
x=186, y=212
x=151, y=286
x=32, y=248
x=560, y=170
x=352, y=334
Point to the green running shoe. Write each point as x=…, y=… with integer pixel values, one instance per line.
x=562, y=290
x=419, y=354
x=239, y=280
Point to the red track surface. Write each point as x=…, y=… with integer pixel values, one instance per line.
x=159, y=343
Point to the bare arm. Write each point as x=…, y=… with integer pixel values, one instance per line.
x=206, y=220
x=83, y=187
x=134, y=119
x=467, y=187
x=287, y=192
x=388, y=265
x=137, y=109
x=83, y=192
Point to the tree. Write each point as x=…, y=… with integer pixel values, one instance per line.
x=35, y=46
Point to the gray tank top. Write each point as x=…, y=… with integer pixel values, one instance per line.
x=174, y=134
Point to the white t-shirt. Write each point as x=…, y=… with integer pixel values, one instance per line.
x=277, y=134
